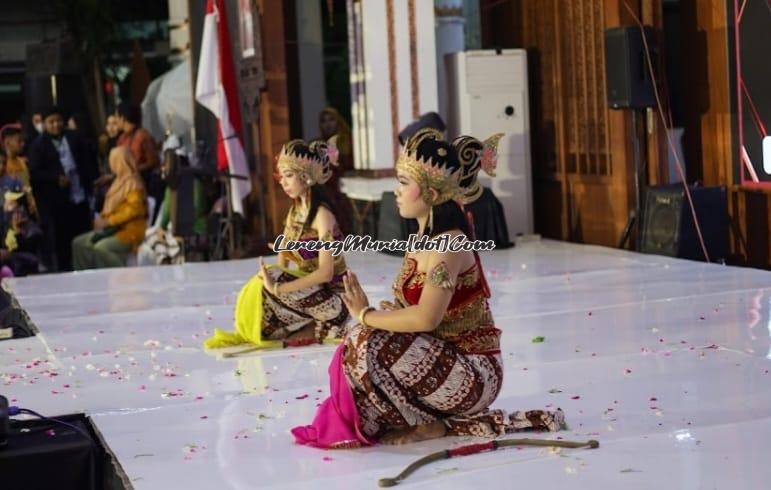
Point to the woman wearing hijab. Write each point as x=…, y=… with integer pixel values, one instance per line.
x=120, y=227
x=335, y=130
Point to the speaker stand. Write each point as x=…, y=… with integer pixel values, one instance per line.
x=630, y=223
x=229, y=237
x=635, y=215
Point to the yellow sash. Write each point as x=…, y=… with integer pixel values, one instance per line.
x=248, y=317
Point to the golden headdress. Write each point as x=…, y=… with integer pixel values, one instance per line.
x=434, y=169
x=313, y=160
x=475, y=155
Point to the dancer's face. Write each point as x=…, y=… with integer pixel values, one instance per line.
x=292, y=183
x=408, y=199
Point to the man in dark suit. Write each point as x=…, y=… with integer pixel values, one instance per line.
x=63, y=170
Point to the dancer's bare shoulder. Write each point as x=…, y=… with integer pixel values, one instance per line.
x=462, y=259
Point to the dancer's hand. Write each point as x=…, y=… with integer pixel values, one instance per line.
x=261, y=269
x=388, y=305
x=354, y=297
x=267, y=279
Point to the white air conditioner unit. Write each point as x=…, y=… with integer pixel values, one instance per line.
x=488, y=94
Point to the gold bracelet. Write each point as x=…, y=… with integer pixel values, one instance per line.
x=363, y=312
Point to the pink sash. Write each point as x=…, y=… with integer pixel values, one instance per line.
x=336, y=424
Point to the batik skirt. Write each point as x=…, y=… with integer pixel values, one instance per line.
x=266, y=320
x=402, y=380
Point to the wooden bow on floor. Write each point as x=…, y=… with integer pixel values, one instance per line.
x=480, y=448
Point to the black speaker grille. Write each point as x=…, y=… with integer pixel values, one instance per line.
x=668, y=227
x=662, y=223
x=628, y=80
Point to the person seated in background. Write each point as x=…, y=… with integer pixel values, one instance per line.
x=107, y=141
x=160, y=245
x=5, y=180
x=20, y=233
x=142, y=146
x=12, y=143
x=120, y=227
x=335, y=129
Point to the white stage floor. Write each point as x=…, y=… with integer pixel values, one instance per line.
x=665, y=362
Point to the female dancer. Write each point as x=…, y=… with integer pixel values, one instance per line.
x=283, y=306
x=429, y=363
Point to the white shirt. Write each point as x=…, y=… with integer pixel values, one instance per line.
x=77, y=194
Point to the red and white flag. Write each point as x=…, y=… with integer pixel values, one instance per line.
x=216, y=90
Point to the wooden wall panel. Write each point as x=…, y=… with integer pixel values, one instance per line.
x=548, y=196
x=579, y=146
x=595, y=213
x=750, y=221
x=707, y=139
x=274, y=111
x=540, y=36
x=750, y=234
x=655, y=133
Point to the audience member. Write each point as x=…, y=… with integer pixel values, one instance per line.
x=20, y=234
x=62, y=172
x=120, y=227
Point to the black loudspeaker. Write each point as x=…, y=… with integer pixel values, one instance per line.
x=626, y=68
x=5, y=427
x=668, y=227
x=52, y=58
x=43, y=91
x=52, y=75
x=41, y=454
